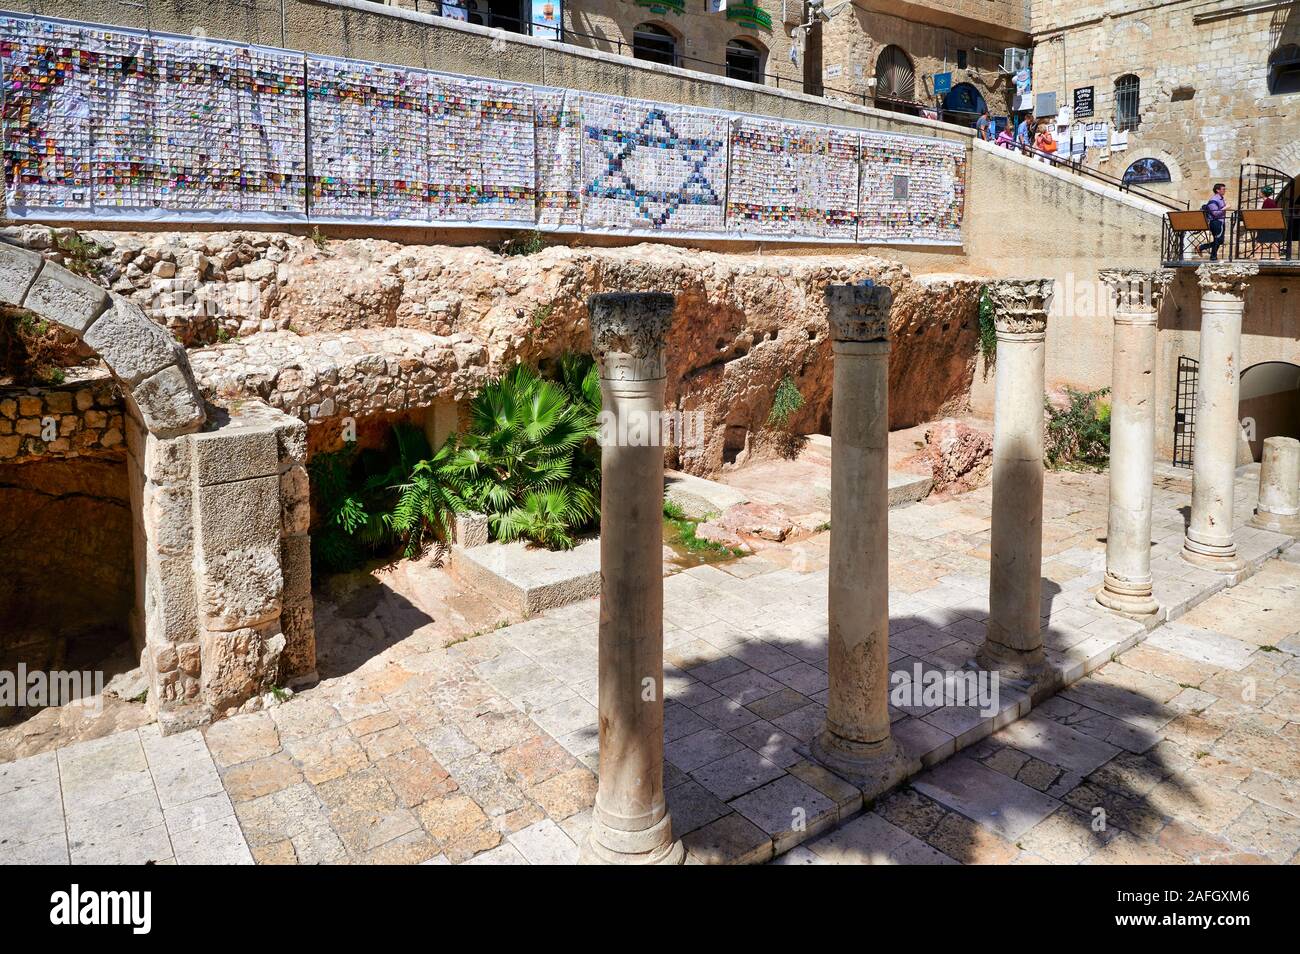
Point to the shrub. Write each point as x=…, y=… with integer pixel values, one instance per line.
x=522, y=243
x=529, y=459
x=1078, y=436
x=988, y=333
x=785, y=402
x=371, y=501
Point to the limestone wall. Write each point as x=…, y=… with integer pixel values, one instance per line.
x=81, y=417
x=1205, y=105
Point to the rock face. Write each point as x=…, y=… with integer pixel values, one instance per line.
x=743, y=322
x=959, y=456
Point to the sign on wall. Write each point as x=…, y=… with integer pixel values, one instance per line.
x=1083, y=102
x=547, y=18
x=942, y=83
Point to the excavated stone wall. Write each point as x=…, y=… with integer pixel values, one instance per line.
x=323, y=329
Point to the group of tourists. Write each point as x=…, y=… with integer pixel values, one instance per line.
x=1029, y=136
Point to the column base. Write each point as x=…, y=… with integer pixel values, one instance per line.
x=874, y=767
x=1027, y=666
x=1220, y=559
x=1128, y=598
x=652, y=846
x=1277, y=522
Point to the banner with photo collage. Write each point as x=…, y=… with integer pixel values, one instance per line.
x=117, y=124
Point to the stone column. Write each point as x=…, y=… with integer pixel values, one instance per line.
x=1127, y=586
x=1013, y=643
x=1279, y=487
x=1209, y=542
x=630, y=822
x=855, y=741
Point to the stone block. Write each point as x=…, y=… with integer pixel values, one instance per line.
x=298, y=660
x=18, y=267
x=531, y=579
x=295, y=500
x=68, y=300
x=234, y=453
x=171, y=606
x=237, y=516
x=169, y=518
x=240, y=588
x=240, y=664
x=295, y=559
x=471, y=529
x=134, y=347
x=168, y=402
x=166, y=459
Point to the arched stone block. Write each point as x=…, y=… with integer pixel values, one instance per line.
x=152, y=368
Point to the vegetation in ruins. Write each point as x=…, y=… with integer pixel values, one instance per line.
x=371, y=501
x=1078, y=435
x=529, y=458
x=79, y=256
x=988, y=336
x=32, y=350
x=785, y=402
x=522, y=243
x=679, y=533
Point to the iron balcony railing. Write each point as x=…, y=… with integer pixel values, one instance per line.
x=1187, y=239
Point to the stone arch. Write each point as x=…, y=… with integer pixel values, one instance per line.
x=151, y=367
x=1269, y=402
x=1285, y=158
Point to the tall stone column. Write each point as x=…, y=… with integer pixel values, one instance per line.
x=1013, y=643
x=630, y=822
x=1209, y=541
x=1127, y=586
x=1279, y=487
x=856, y=741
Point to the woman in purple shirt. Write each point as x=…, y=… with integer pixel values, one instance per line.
x=1216, y=211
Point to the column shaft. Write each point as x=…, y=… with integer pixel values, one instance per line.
x=1279, y=487
x=1014, y=638
x=1209, y=541
x=630, y=820
x=855, y=741
x=1127, y=585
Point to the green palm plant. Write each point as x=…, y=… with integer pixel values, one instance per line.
x=428, y=501
x=526, y=459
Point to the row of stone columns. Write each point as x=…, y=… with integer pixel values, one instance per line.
x=631, y=823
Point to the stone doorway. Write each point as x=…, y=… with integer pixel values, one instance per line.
x=1270, y=403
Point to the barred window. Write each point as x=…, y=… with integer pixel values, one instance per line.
x=744, y=61
x=1128, y=91
x=1284, y=70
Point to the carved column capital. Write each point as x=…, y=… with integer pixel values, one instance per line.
x=628, y=332
x=1226, y=278
x=1020, y=305
x=1137, y=290
x=859, y=313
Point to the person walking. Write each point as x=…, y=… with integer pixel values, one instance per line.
x=1022, y=132
x=1216, y=214
x=984, y=126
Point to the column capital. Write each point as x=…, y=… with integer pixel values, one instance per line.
x=628, y=332
x=859, y=313
x=1137, y=289
x=1020, y=305
x=1226, y=278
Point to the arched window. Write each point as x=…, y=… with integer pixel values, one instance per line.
x=654, y=44
x=1284, y=70
x=895, y=75
x=1146, y=171
x=744, y=61
x=1128, y=95
x=966, y=101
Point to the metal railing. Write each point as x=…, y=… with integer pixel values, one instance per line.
x=1187, y=247
x=1076, y=166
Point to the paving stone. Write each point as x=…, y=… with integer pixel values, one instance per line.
x=736, y=774
x=787, y=809
x=1202, y=645
x=33, y=770
x=1004, y=805
x=503, y=854
x=242, y=738
x=730, y=840
x=253, y=779
x=364, y=810
x=725, y=714
x=679, y=721
x=803, y=723
x=151, y=846
x=1057, y=744
x=415, y=776
x=778, y=704
x=30, y=814
x=747, y=686
x=483, y=779
x=545, y=844
x=701, y=748
x=457, y=823
x=413, y=848
x=865, y=840
x=218, y=842
x=692, y=806
x=770, y=742
x=292, y=816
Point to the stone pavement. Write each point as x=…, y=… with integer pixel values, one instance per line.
x=484, y=751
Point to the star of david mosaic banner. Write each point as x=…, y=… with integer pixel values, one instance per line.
x=116, y=124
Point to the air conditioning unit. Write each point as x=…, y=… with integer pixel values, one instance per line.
x=1014, y=59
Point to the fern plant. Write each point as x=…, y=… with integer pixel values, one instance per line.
x=428, y=501
x=785, y=402
x=528, y=458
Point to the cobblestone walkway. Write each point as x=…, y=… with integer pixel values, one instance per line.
x=484, y=752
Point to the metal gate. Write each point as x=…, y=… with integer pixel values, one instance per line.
x=1185, y=412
